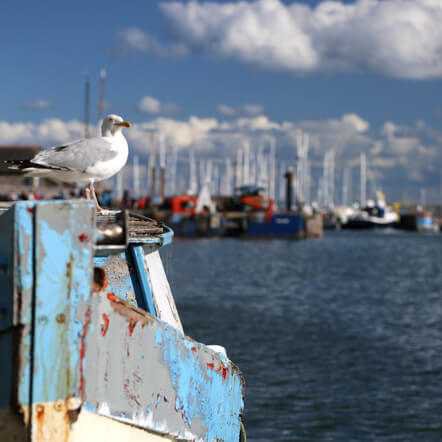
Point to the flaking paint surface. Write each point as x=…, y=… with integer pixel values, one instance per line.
x=159, y=379
x=64, y=276
x=23, y=290
x=118, y=275
x=123, y=362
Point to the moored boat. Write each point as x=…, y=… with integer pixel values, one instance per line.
x=190, y=215
x=418, y=220
x=92, y=344
x=251, y=214
x=375, y=215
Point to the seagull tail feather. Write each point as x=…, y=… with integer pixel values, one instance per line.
x=28, y=166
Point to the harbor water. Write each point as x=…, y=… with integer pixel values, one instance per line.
x=339, y=339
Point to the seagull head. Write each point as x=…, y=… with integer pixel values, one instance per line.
x=112, y=124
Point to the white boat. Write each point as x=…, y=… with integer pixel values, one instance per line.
x=376, y=214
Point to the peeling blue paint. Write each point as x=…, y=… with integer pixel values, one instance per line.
x=124, y=284
x=23, y=216
x=63, y=285
x=23, y=287
x=187, y=390
x=145, y=298
x=201, y=391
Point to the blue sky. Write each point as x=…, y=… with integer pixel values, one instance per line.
x=47, y=49
x=359, y=75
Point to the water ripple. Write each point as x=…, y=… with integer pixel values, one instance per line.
x=339, y=339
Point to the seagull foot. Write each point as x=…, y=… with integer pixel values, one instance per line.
x=101, y=211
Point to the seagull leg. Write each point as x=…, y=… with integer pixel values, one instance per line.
x=94, y=196
x=87, y=193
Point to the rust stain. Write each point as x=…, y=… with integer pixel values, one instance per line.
x=83, y=237
x=100, y=280
x=87, y=320
x=30, y=209
x=194, y=350
x=224, y=372
x=131, y=326
x=105, y=325
x=61, y=318
x=111, y=296
x=40, y=412
x=221, y=370
x=40, y=419
x=133, y=314
x=66, y=423
x=53, y=423
x=69, y=274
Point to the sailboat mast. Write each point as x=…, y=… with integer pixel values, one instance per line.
x=87, y=107
x=136, y=176
x=101, y=93
x=363, y=176
x=193, y=185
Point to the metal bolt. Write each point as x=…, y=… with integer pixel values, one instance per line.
x=58, y=406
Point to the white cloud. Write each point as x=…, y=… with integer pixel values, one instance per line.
x=355, y=121
x=260, y=122
x=397, y=154
x=389, y=129
x=149, y=105
x=250, y=109
x=38, y=104
x=153, y=106
x=404, y=145
x=253, y=109
x=227, y=111
x=180, y=134
x=136, y=40
x=46, y=133
x=400, y=38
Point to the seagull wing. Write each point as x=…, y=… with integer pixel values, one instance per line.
x=78, y=156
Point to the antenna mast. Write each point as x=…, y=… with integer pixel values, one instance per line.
x=101, y=93
x=87, y=107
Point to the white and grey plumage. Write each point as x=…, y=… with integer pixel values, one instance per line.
x=84, y=161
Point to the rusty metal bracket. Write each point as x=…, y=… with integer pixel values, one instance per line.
x=118, y=229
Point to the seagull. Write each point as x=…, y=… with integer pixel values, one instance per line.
x=84, y=161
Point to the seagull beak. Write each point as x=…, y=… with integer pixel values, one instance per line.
x=124, y=124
